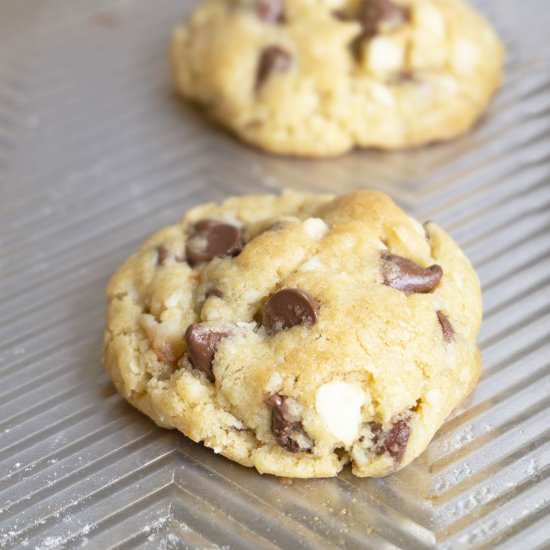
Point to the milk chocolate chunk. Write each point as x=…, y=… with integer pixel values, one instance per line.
x=270, y=11
x=289, y=307
x=213, y=291
x=162, y=254
x=405, y=275
x=446, y=327
x=394, y=441
x=377, y=15
x=201, y=347
x=286, y=424
x=213, y=238
x=272, y=59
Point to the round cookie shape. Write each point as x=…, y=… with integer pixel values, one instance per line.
x=320, y=78
x=325, y=331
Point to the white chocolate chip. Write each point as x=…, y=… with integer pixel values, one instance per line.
x=198, y=243
x=446, y=85
x=465, y=56
x=246, y=327
x=134, y=367
x=313, y=264
x=334, y=4
x=274, y=383
x=250, y=295
x=339, y=405
x=292, y=410
x=428, y=49
x=459, y=281
x=382, y=94
x=316, y=228
x=347, y=241
x=133, y=294
x=238, y=425
x=419, y=228
x=385, y=56
x=429, y=19
x=173, y=299
x=228, y=218
x=165, y=338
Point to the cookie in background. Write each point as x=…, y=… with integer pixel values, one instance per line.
x=318, y=78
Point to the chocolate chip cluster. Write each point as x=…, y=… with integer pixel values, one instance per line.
x=290, y=307
x=374, y=16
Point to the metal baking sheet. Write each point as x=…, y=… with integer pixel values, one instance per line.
x=96, y=153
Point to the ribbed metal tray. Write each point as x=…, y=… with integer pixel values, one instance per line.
x=96, y=153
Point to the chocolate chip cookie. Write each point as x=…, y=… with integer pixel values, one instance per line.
x=319, y=78
x=298, y=333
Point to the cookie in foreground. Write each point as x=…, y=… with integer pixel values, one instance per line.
x=319, y=78
x=298, y=333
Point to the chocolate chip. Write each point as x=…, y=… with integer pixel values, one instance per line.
x=377, y=14
x=162, y=254
x=446, y=327
x=394, y=441
x=212, y=238
x=201, y=347
x=406, y=76
x=272, y=59
x=404, y=274
x=342, y=15
x=289, y=307
x=270, y=11
x=376, y=429
x=213, y=292
x=286, y=424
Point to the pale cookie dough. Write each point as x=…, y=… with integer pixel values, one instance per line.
x=319, y=77
x=298, y=333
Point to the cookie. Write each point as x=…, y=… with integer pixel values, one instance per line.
x=318, y=78
x=298, y=333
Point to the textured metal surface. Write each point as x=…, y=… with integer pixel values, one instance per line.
x=95, y=153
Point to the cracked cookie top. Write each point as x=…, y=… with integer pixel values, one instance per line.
x=296, y=333
x=318, y=77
